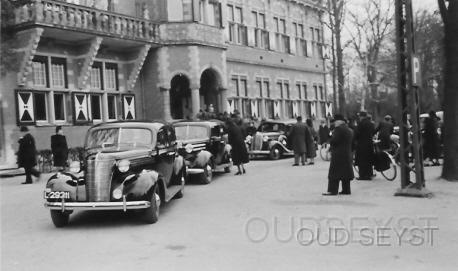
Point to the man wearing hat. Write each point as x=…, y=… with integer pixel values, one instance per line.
x=27, y=155
x=341, y=167
x=385, y=129
x=364, y=154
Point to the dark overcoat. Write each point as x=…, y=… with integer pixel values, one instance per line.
x=431, y=141
x=59, y=150
x=323, y=134
x=27, y=153
x=364, y=155
x=341, y=167
x=385, y=130
x=237, y=142
x=311, y=137
x=298, y=137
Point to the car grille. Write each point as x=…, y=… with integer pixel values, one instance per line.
x=98, y=177
x=256, y=141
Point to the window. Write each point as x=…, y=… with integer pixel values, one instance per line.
x=315, y=88
x=39, y=68
x=321, y=92
x=281, y=39
x=259, y=85
x=96, y=107
x=280, y=89
x=112, y=115
x=287, y=90
x=235, y=84
x=59, y=107
x=237, y=30
x=96, y=76
x=304, y=86
x=58, y=72
x=301, y=43
x=41, y=106
x=111, y=76
x=299, y=91
x=244, y=87
x=187, y=10
x=260, y=32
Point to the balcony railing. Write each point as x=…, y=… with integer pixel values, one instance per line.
x=69, y=16
x=185, y=32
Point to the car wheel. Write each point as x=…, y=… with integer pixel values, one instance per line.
x=227, y=169
x=207, y=176
x=151, y=214
x=275, y=153
x=59, y=218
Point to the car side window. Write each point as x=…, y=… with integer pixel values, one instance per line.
x=161, y=138
x=171, y=135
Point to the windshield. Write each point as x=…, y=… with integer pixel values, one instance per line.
x=270, y=127
x=102, y=138
x=191, y=132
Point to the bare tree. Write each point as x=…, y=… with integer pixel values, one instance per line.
x=336, y=11
x=449, y=15
x=369, y=30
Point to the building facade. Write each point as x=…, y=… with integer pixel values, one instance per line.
x=84, y=62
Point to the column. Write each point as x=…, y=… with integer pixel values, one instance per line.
x=166, y=103
x=195, y=101
x=223, y=99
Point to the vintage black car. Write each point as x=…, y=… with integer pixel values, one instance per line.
x=271, y=139
x=204, y=146
x=127, y=165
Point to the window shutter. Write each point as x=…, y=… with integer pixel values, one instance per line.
x=128, y=106
x=272, y=42
x=80, y=104
x=277, y=109
x=292, y=45
x=230, y=106
x=295, y=111
x=254, y=108
x=196, y=10
x=25, y=111
x=313, y=106
x=251, y=36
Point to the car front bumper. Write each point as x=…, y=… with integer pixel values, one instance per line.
x=122, y=205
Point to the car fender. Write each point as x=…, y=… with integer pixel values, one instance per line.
x=178, y=165
x=145, y=180
x=203, y=158
x=66, y=182
x=275, y=143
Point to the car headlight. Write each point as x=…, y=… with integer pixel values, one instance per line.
x=123, y=165
x=117, y=193
x=75, y=167
x=265, y=138
x=179, y=145
x=188, y=148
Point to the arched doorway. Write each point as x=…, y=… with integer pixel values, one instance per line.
x=180, y=97
x=210, y=85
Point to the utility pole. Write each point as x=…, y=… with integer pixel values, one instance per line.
x=408, y=69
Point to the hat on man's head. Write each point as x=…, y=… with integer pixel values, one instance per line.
x=339, y=117
x=388, y=117
x=24, y=129
x=363, y=114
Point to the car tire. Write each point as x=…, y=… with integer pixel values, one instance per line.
x=59, y=218
x=227, y=169
x=275, y=153
x=151, y=214
x=178, y=195
x=207, y=176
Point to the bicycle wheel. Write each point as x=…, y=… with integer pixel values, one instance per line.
x=391, y=173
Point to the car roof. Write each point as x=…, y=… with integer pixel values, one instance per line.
x=292, y=121
x=209, y=123
x=155, y=125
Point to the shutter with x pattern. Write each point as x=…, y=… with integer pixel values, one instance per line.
x=25, y=107
x=128, y=103
x=81, y=108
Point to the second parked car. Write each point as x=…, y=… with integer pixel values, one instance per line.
x=204, y=146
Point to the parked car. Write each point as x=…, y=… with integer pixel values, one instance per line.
x=204, y=146
x=271, y=139
x=126, y=165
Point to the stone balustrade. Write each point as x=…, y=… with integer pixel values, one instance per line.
x=71, y=16
x=186, y=32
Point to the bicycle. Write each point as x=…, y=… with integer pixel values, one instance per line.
x=385, y=161
x=325, y=152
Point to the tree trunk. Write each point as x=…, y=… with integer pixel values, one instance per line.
x=450, y=168
x=340, y=74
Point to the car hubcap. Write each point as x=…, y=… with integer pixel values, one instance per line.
x=158, y=200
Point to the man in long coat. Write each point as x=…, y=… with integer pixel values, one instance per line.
x=59, y=148
x=364, y=155
x=385, y=129
x=237, y=142
x=298, y=136
x=341, y=167
x=27, y=155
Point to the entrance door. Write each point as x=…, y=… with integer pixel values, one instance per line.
x=180, y=97
x=210, y=97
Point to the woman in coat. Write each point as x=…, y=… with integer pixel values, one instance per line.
x=59, y=148
x=298, y=137
x=431, y=140
x=27, y=155
x=237, y=142
x=341, y=167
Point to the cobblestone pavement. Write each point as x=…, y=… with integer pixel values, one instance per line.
x=250, y=222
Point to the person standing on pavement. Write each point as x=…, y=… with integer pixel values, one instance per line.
x=364, y=155
x=385, y=129
x=298, y=138
x=431, y=141
x=27, y=155
x=312, y=138
x=59, y=148
x=341, y=166
x=237, y=142
x=323, y=133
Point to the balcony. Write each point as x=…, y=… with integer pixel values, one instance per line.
x=192, y=33
x=60, y=15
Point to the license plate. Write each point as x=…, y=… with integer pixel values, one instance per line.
x=56, y=195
